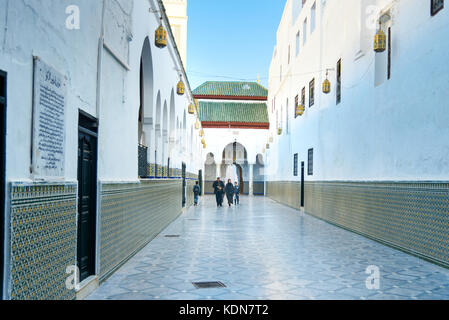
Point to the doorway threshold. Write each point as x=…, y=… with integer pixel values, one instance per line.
x=86, y=287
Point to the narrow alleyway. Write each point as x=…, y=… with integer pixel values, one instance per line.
x=263, y=250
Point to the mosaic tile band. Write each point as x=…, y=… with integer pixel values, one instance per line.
x=285, y=192
x=412, y=216
x=132, y=214
x=43, y=232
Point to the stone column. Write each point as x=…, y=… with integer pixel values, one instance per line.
x=251, y=179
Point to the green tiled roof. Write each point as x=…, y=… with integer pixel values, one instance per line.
x=233, y=112
x=238, y=89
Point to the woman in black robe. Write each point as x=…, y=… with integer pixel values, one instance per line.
x=229, y=189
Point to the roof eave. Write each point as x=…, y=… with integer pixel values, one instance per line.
x=235, y=125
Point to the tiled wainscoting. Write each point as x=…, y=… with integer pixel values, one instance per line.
x=132, y=214
x=285, y=192
x=43, y=231
x=259, y=188
x=411, y=216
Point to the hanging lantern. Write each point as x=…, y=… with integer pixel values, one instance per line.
x=180, y=88
x=161, y=36
x=279, y=131
x=191, y=109
x=268, y=146
x=326, y=86
x=299, y=111
x=380, y=40
x=201, y=133
x=204, y=146
x=271, y=139
x=203, y=141
x=197, y=124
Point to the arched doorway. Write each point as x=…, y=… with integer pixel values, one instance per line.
x=145, y=112
x=164, y=147
x=235, y=166
x=158, y=138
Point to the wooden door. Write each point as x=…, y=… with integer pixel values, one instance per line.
x=87, y=194
x=302, y=183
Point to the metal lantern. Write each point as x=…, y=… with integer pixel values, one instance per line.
x=380, y=40
x=204, y=146
x=326, y=86
x=268, y=146
x=299, y=111
x=191, y=109
x=180, y=88
x=161, y=36
x=201, y=133
x=279, y=131
x=197, y=124
x=203, y=141
x=271, y=139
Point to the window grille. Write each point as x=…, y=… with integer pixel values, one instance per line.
x=310, y=163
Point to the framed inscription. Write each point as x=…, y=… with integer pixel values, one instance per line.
x=436, y=6
x=49, y=123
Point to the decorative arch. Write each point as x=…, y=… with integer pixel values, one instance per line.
x=158, y=134
x=145, y=114
x=235, y=152
x=172, y=114
x=234, y=165
x=165, y=139
x=172, y=125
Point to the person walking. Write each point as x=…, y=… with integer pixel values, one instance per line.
x=236, y=194
x=218, y=191
x=230, y=192
x=196, y=193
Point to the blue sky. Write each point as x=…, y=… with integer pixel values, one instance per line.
x=231, y=38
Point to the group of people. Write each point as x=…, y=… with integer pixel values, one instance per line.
x=232, y=192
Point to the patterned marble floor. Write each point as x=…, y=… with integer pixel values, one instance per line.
x=263, y=250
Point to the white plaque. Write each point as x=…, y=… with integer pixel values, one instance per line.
x=49, y=110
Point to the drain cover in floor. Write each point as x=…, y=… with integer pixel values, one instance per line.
x=208, y=285
x=172, y=236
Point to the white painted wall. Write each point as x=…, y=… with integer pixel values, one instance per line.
x=24, y=33
x=398, y=130
x=254, y=141
x=38, y=28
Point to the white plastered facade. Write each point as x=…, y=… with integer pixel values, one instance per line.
x=383, y=129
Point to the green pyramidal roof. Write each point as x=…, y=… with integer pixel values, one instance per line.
x=236, y=89
x=233, y=112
